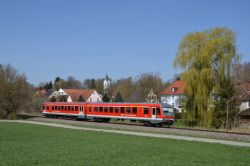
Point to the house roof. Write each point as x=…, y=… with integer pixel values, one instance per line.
x=243, y=90
x=44, y=93
x=179, y=88
x=76, y=93
x=245, y=112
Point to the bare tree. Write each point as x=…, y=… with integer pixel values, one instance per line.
x=15, y=92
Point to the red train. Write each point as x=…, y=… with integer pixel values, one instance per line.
x=147, y=113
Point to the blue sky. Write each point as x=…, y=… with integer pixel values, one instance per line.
x=121, y=38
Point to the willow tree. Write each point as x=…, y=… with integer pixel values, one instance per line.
x=207, y=58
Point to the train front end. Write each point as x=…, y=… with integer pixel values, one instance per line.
x=168, y=114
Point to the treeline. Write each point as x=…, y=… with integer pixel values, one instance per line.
x=126, y=89
x=16, y=94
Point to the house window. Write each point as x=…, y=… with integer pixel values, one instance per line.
x=174, y=89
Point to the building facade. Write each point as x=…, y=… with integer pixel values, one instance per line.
x=77, y=95
x=173, y=94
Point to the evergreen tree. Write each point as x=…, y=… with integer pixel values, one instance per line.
x=118, y=97
x=92, y=86
x=105, y=98
x=57, y=83
x=63, y=98
x=80, y=99
x=53, y=99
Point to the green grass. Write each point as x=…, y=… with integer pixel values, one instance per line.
x=144, y=130
x=25, y=144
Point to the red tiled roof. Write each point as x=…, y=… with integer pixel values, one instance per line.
x=76, y=93
x=179, y=86
x=246, y=85
x=243, y=90
x=43, y=93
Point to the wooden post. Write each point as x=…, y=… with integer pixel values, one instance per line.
x=227, y=115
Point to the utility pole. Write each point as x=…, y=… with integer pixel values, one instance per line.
x=227, y=115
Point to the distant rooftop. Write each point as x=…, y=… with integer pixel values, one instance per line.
x=176, y=88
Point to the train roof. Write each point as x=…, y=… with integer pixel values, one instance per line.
x=94, y=103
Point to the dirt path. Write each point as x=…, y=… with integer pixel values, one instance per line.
x=235, y=143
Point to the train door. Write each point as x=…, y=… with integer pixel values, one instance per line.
x=81, y=110
x=154, y=114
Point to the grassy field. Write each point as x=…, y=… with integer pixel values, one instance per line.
x=25, y=144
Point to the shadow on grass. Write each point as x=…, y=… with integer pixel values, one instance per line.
x=26, y=116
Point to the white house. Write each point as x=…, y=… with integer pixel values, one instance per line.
x=173, y=94
x=75, y=95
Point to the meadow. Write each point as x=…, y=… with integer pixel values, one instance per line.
x=26, y=144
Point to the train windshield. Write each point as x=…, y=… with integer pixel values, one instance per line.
x=168, y=110
x=167, y=113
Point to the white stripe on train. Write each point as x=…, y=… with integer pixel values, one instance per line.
x=104, y=116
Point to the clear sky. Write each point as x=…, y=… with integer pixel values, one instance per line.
x=121, y=38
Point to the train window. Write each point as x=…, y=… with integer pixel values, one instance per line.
x=62, y=107
x=105, y=109
x=101, y=109
x=68, y=108
x=158, y=111
x=96, y=109
x=58, y=108
x=145, y=111
x=53, y=107
x=111, y=109
x=44, y=107
x=122, y=109
x=90, y=108
x=134, y=110
x=65, y=108
x=76, y=108
x=72, y=108
x=128, y=110
x=116, y=110
x=47, y=107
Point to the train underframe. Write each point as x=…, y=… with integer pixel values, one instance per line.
x=158, y=123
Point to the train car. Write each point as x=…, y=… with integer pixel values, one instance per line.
x=147, y=113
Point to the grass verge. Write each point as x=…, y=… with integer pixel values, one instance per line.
x=26, y=144
x=153, y=130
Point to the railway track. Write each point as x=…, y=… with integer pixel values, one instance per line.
x=141, y=125
x=213, y=131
